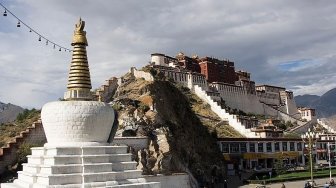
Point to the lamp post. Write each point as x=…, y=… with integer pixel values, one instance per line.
x=310, y=137
x=329, y=137
x=329, y=160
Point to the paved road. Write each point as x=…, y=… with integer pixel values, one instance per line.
x=292, y=184
x=235, y=182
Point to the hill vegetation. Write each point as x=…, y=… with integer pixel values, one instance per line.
x=12, y=129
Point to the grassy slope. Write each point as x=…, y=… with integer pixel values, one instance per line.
x=10, y=130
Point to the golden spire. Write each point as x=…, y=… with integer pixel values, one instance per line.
x=79, y=82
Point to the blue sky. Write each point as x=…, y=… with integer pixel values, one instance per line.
x=296, y=65
x=285, y=43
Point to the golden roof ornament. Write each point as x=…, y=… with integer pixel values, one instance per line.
x=79, y=82
x=79, y=34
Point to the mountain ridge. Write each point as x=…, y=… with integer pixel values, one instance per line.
x=325, y=104
x=9, y=112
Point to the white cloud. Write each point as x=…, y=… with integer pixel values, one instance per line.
x=257, y=35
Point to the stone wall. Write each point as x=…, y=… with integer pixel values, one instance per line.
x=135, y=142
x=33, y=135
x=292, y=108
x=142, y=74
x=187, y=79
x=172, y=181
x=106, y=91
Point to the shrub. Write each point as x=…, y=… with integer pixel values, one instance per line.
x=117, y=106
x=279, y=167
x=23, y=151
x=143, y=107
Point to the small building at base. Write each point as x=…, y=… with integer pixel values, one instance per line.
x=263, y=153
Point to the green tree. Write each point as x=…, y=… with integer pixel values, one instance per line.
x=279, y=167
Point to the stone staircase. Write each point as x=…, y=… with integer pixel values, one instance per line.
x=232, y=119
x=302, y=128
x=34, y=134
x=76, y=167
x=326, y=126
x=282, y=115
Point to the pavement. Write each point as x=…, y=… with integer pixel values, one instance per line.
x=235, y=182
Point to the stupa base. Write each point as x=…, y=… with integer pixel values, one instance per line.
x=80, y=166
x=75, y=144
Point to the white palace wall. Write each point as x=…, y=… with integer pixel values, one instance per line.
x=234, y=96
x=232, y=119
x=268, y=99
x=142, y=74
x=237, y=97
x=292, y=108
x=187, y=79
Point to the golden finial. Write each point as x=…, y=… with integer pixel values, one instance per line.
x=79, y=82
x=79, y=34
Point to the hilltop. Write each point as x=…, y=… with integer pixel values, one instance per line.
x=9, y=112
x=182, y=128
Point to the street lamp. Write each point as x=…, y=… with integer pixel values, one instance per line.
x=310, y=137
x=329, y=150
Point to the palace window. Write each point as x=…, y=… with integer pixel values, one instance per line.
x=234, y=148
x=225, y=147
x=260, y=147
x=299, y=146
x=269, y=147
x=277, y=146
x=291, y=146
x=284, y=146
x=252, y=147
x=243, y=147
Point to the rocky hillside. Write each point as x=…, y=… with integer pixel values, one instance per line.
x=325, y=105
x=182, y=128
x=9, y=112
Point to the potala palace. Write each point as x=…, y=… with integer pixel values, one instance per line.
x=217, y=82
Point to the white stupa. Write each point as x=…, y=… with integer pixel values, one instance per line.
x=77, y=153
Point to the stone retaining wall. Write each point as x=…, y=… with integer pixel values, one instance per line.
x=106, y=91
x=33, y=135
x=172, y=181
x=135, y=142
x=142, y=74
